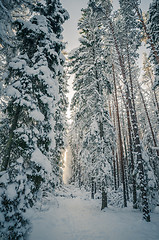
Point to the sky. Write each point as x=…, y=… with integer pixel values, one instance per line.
x=70, y=27
x=71, y=33
x=74, y=7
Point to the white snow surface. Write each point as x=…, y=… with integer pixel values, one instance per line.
x=41, y=160
x=72, y=215
x=11, y=191
x=37, y=115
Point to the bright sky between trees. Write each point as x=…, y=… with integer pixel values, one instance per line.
x=71, y=33
x=74, y=7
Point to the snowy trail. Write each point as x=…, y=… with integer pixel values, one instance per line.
x=81, y=219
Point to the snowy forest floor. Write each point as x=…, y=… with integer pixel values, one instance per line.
x=72, y=215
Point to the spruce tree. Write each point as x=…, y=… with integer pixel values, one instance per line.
x=154, y=32
x=148, y=29
x=94, y=128
x=103, y=12
x=33, y=92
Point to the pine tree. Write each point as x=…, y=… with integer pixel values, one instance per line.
x=60, y=127
x=148, y=31
x=103, y=11
x=33, y=91
x=153, y=29
x=10, y=10
x=121, y=150
x=95, y=131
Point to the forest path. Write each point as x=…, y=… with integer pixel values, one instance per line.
x=73, y=216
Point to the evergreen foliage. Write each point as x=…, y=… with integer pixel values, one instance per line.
x=34, y=96
x=119, y=37
x=154, y=32
x=113, y=135
x=94, y=139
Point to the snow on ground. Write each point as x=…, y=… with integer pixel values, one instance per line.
x=73, y=216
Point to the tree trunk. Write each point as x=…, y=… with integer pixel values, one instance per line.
x=120, y=140
x=154, y=92
x=6, y=160
x=118, y=174
x=92, y=187
x=148, y=118
x=129, y=131
x=79, y=175
x=114, y=172
x=130, y=152
x=95, y=188
x=143, y=183
x=126, y=156
x=104, y=196
x=114, y=154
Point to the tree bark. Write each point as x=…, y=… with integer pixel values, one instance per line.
x=148, y=118
x=114, y=155
x=118, y=175
x=92, y=187
x=104, y=196
x=129, y=130
x=126, y=156
x=143, y=183
x=120, y=140
x=6, y=160
x=130, y=151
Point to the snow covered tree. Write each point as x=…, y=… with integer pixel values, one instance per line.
x=148, y=31
x=153, y=29
x=91, y=85
x=8, y=10
x=103, y=12
x=33, y=91
x=148, y=78
x=60, y=126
